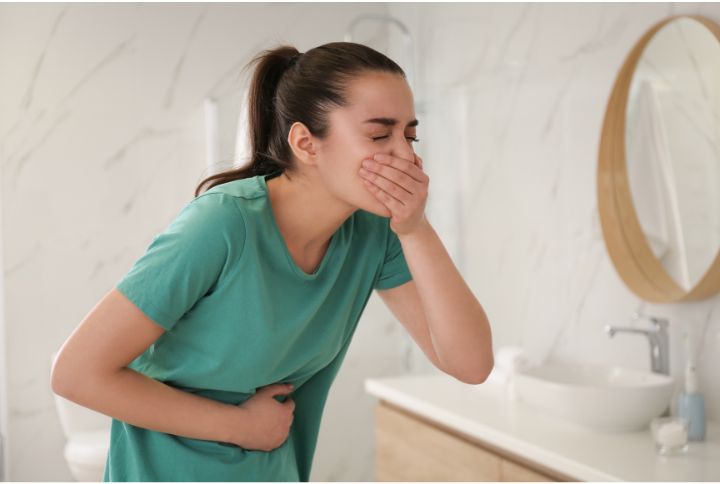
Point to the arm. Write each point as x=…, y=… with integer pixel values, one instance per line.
x=404, y=303
x=457, y=326
x=90, y=370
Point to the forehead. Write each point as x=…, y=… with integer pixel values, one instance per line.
x=377, y=95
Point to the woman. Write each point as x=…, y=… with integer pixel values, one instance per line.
x=260, y=280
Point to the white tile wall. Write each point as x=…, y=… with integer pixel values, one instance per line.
x=102, y=140
x=102, y=132
x=516, y=94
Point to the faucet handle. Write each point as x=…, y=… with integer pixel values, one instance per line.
x=660, y=323
x=663, y=322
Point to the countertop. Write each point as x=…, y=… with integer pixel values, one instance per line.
x=485, y=413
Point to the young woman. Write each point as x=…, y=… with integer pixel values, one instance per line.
x=259, y=282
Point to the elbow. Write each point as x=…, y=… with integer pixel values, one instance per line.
x=473, y=379
x=476, y=369
x=59, y=382
x=476, y=376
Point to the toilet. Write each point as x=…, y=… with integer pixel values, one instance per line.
x=88, y=437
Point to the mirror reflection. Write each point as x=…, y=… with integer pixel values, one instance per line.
x=673, y=148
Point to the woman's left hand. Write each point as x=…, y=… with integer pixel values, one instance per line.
x=402, y=186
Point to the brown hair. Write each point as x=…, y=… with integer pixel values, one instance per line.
x=288, y=86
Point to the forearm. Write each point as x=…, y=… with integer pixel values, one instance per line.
x=139, y=400
x=457, y=322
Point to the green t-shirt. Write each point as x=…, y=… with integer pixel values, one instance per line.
x=240, y=314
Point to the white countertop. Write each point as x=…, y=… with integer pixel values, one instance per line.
x=484, y=412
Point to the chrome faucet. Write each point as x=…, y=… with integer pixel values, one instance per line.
x=659, y=343
x=657, y=337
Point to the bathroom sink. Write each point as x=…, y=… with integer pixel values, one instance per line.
x=604, y=398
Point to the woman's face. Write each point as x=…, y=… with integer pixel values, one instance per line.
x=380, y=118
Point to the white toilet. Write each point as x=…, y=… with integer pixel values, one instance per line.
x=88, y=437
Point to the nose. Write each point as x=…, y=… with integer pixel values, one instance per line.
x=403, y=149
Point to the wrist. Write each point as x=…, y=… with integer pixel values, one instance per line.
x=422, y=229
x=233, y=425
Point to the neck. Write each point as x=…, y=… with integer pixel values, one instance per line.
x=306, y=213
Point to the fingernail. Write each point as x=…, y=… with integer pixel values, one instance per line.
x=379, y=156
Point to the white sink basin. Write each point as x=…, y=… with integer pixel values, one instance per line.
x=605, y=398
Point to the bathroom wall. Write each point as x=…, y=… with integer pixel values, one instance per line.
x=103, y=140
x=3, y=363
x=514, y=98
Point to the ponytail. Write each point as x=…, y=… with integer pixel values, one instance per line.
x=288, y=86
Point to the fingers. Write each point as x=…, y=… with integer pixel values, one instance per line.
x=413, y=168
x=279, y=388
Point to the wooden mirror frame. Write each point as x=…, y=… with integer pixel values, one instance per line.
x=626, y=243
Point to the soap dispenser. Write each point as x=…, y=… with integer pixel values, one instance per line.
x=690, y=403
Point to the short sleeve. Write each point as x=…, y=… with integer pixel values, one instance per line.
x=186, y=260
x=394, y=270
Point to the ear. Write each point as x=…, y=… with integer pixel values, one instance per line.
x=302, y=143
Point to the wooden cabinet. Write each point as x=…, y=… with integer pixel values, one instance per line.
x=409, y=447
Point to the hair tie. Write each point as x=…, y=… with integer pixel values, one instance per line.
x=294, y=59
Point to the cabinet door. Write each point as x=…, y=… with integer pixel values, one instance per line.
x=408, y=449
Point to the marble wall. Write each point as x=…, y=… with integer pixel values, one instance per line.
x=514, y=97
x=102, y=139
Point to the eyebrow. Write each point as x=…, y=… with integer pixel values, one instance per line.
x=390, y=122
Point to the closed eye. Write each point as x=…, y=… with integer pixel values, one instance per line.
x=412, y=139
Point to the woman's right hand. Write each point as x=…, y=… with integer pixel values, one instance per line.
x=266, y=421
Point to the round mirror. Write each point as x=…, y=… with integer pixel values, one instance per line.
x=659, y=164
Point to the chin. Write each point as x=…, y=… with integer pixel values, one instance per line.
x=368, y=202
x=377, y=208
